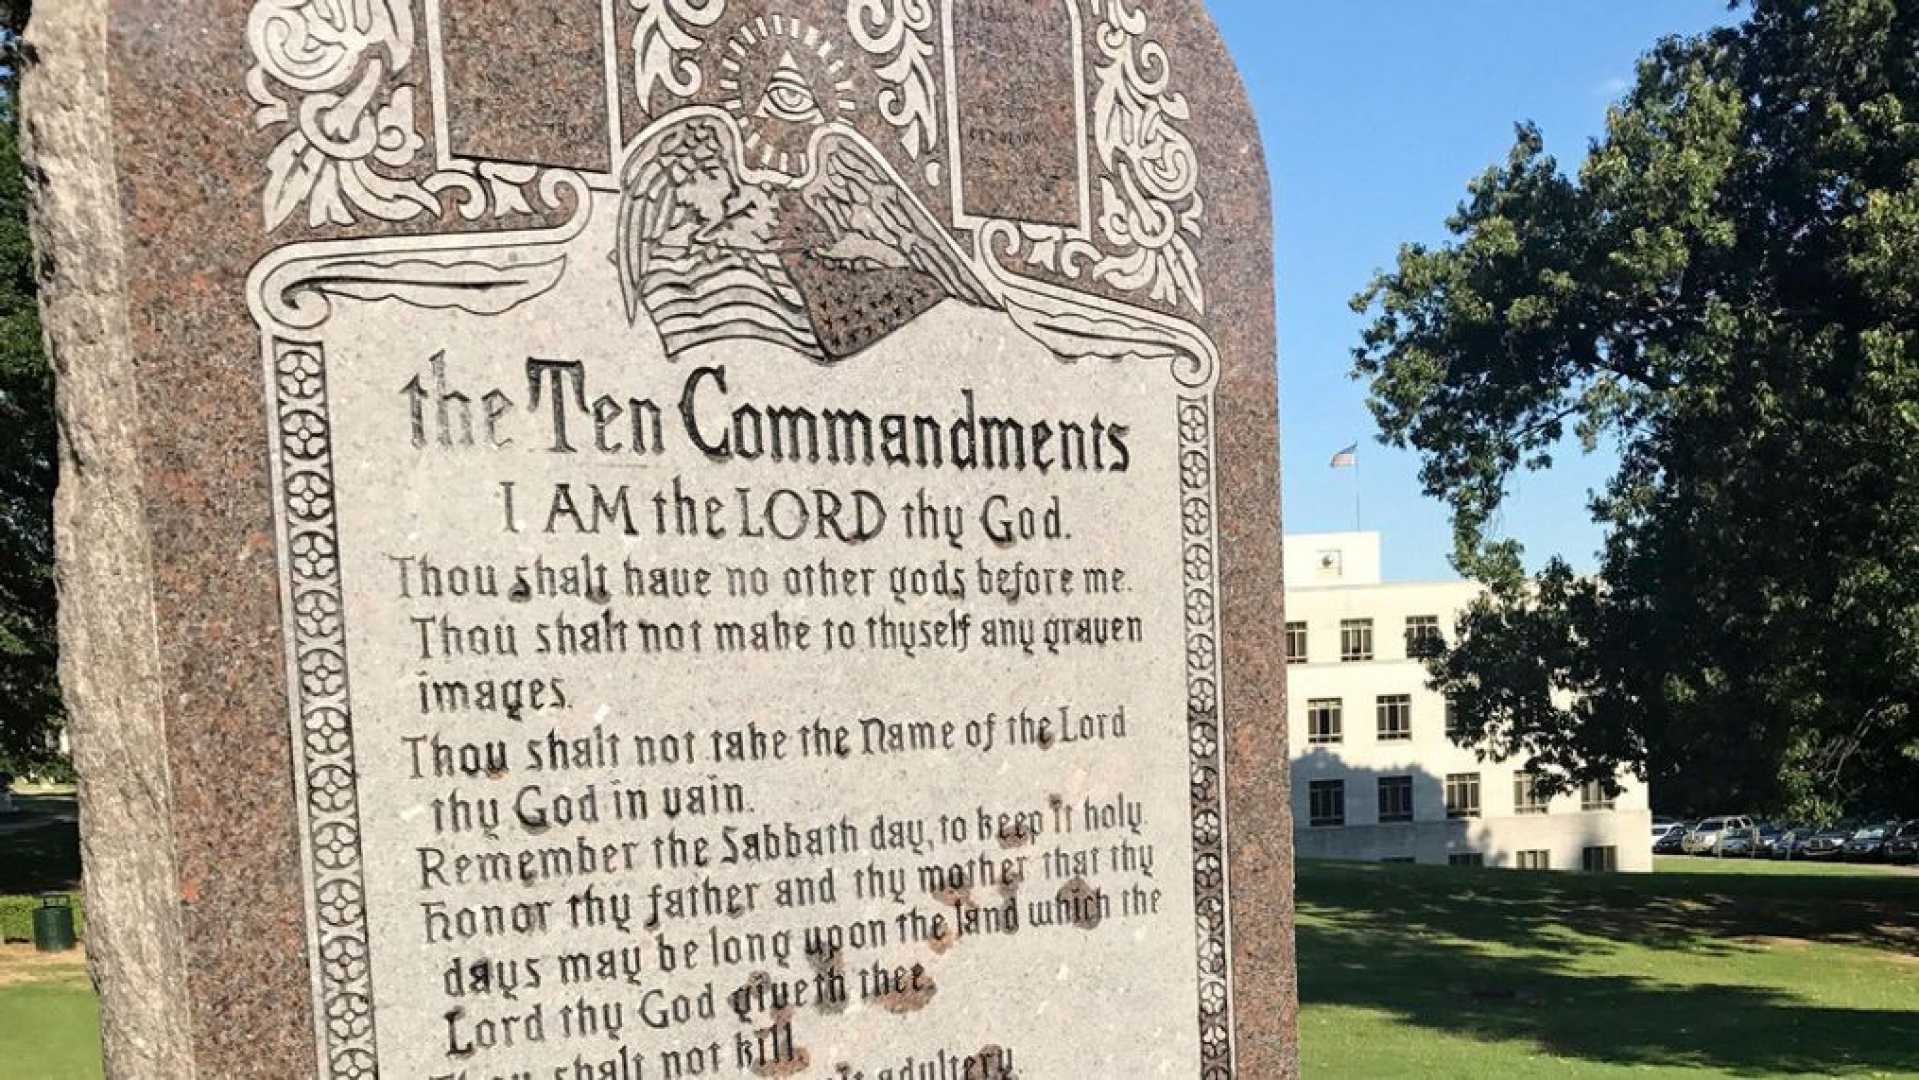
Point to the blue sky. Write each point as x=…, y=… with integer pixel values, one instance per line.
x=1375, y=115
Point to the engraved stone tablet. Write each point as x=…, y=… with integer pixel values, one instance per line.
x=527, y=83
x=669, y=538
x=1018, y=97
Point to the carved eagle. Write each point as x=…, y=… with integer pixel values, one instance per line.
x=826, y=263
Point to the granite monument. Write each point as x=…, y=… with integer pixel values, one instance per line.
x=638, y=539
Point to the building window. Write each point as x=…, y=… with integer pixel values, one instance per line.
x=1527, y=798
x=1537, y=859
x=1455, y=722
x=1422, y=636
x=1395, y=798
x=1466, y=858
x=1395, y=717
x=1592, y=796
x=1326, y=802
x=1355, y=639
x=1462, y=795
x=1323, y=724
x=1295, y=642
x=1599, y=860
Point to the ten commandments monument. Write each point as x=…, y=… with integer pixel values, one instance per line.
x=635, y=539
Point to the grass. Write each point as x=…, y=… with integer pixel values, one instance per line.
x=1705, y=968
x=1800, y=868
x=49, y=1018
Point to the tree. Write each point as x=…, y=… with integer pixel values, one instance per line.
x=30, y=713
x=1728, y=293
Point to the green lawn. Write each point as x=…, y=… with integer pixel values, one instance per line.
x=1706, y=968
x=1815, y=868
x=49, y=1020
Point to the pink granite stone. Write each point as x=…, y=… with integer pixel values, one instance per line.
x=167, y=142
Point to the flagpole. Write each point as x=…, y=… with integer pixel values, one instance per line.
x=1349, y=459
x=1358, y=521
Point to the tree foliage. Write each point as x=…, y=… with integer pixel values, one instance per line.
x=1727, y=292
x=29, y=689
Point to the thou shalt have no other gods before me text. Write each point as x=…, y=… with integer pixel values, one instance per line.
x=515, y=812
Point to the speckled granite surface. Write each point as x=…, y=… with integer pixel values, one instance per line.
x=195, y=150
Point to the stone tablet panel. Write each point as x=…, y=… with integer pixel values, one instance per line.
x=493, y=54
x=780, y=590
x=1018, y=111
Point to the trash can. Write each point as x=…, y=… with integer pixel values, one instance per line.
x=53, y=923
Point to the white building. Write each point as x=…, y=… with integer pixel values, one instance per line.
x=1375, y=775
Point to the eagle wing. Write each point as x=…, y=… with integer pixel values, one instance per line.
x=694, y=249
x=649, y=205
x=873, y=222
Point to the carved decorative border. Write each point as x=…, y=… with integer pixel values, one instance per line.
x=292, y=293
x=327, y=778
x=1150, y=208
x=326, y=775
x=1082, y=230
x=664, y=47
x=894, y=31
x=335, y=81
x=1199, y=531
x=330, y=76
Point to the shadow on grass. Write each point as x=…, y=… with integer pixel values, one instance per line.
x=1377, y=940
x=40, y=846
x=1708, y=913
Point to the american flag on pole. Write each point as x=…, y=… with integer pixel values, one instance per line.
x=1347, y=458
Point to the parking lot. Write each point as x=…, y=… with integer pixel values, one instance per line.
x=1891, y=843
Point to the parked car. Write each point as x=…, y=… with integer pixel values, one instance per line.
x=1750, y=843
x=1737, y=843
x=1699, y=836
x=1903, y=846
x=1868, y=844
x=1704, y=840
x=1667, y=843
x=1792, y=843
x=1827, y=842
